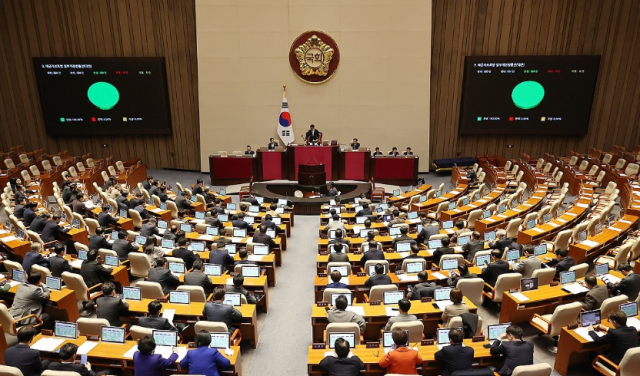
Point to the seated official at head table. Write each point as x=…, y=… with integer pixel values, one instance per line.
x=355, y=145
x=394, y=152
x=249, y=151
x=272, y=144
x=407, y=151
x=312, y=136
x=377, y=152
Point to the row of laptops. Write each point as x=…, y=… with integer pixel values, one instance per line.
x=178, y=297
x=114, y=334
x=594, y=317
x=528, y=284
x=392, y=297
x=54, y=283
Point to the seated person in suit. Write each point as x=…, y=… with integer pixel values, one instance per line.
x=220, y=256
x=67, y=362
x=30, y=213
x=339, y=238
x=312, y=136
x=122, y=201
x=33, y=257
x=145, y=362
x=196, y=277
x=272, y=145
x=402, y=359
x=217, y=310
x=122, y=246
x=428, y=230
x=335, y=224
x=414, y=254
x=105, y=219
x=261, y=237
x=456, y=309
x=342, y=364
x=92, y=270
x=340, y=314
x=456, y=356
x=621, y=337
x=469, y=250
x=52, y=229
x=379, y=278
x=163, y=276
x=373, y=253
x=463, y=272
x=155, y=320
x=204, y=360
x=497, y=267
x=563, y=262
x=332, y=191
x=355, y=145
x=396, y=218
x=198, y=189
x=78, y=206
x=515, y=351
x=249, y=152
x=99, y=240
x=244, y=258
x=139, y=199
x=39, y=222
x=377, y=152
x=460, y=229
x=444, y=250
x=530, y=264
x=394, y=152
x=172, y=233
x=424, y=288
x=186, y=255
x=212, y=220
x=21, y=356
x=58, y=264
x=182, y=203
x=596, y=294
x=238, y=221
x=237, y=287
x=629, y=285
x=365, y=211
x=18, y=210
x=335, y=278
x=338, y=255
x=471, y=175
x=404, y=306
x=110, y=306
x=273, y=211
x=147, y=184
x=404, y=237
x=407, y=151
x=29, y=299
x=502, y=242
x=150, y=228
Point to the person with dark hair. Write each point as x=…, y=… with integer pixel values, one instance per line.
x=380, y=278
x=196, y=277
x=163, y=275
x=18, y=210
x=204, y=360
x=186, y=255
x=21, y=356
x=67, y=362
x=238, y=221
x=502, y=241
x=28, y=300
x=414, y=254
x=530, y=264
x=182, y=203
x=455, y=357
x=402, y=360
x=273, y=212
x=443, y=250
x=596, y=294
x=58, y=264
x=377, y=152
x=342, y=364
x=172, y=233
x=403, y=237
x=407, y=151
x=404, y=305
x=78, y=206
x=339, y=239
x=122, y=246
x=110, y=306
x=39, y=222
x=332, y=191
x=217, y=310
x=365, y=211
x=244, y=258
x=211, y=219
x=335, y=224
x=105, y=219
x=563, y=262
x=338, y=255
x=33, y=257
x=339, y=313
x=397, y=220
x=261, y=237
x=147, y=184
x=237, y=287
x=457, y=308
x=621, y=337
x=355, y=145
x=469, y=250
x=146, y=363
x=29, y=213
x=154, y=320
x=151, y=250
x=497, y=267
x=460, y=229
x=150, y=228
x=394, y=152
x=249, y=152
x=515, y=350
x=220, y=256
x=462, y=273
x=92, y=270
x=52, y=229
x=198, y=189
x=428, y=230
x=336, y=276
x=629, y=285
x=372, y=253
x=98, y=240
x=424, y=288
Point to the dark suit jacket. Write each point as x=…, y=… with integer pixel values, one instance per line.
x=18, y=210
x=37, y=225
x=182, y=203
x=227, y=314
x=239, y=223
x=198, y=279
x=516, y=353
x=33, y=258
x=26, y=359
x=455, y=358
x=501, y=244
x=164, y=278
x=621, y=340
x=364, y=212
x=372, y=254
x=376, y=280
x=438, y=253
x=342, y=366
x=78, y=207
x=29, y=215
x=187, y=256
x=340, y=241
x=595, y=297
x=423, y=290
x=159, y=323
x=98, y=241
x=565, y=265
x=629, y=286
x=264, y=239
x=58, y=265
x=491, y=273
x=220, y=257
x=71, y=367
x=123, y=248
x=469, y=250
x=93, y=273
x=111, y=308
x=105, y=219
x=425, y=234
x=50, y=231
x=148, y=230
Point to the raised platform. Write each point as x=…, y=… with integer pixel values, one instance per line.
x=307, y=204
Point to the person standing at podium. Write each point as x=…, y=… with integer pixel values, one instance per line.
x=355, y=145
x=272, y=145
x=312, y=136
x=394, y=152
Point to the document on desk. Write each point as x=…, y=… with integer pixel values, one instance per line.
x=519, y=296
x=501, y=216
x=237, y=240
x=624, y=221
x=442, y=304
x=610, y=278
x=574, y=288
x=614, y=229
x=356, y=309
x=589, y=243
x=571, y=214
x=230, y=281
x=391, y=311
x=169, y=314
x=47, y=344
x=404, y=254
x=408, y=278
x=633, y=321
x=166, y=351
x=553, y=224
x=205, y=237
x=8, y=239
x=255, y=258
x=131, y=351
x=584, y=333
x=86, y=347
x=156, y=210
x=537, y=229
x=3, y=231
x=438, y=275
x=77, y=263
x=561, y=220
x=582, y=205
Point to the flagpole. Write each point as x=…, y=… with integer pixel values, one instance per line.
x=284, y=89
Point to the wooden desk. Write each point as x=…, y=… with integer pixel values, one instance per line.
x=104, y=354
x=16, y=247
x=406, y=196
x=463, y=211
x=248, y=327
x=582, y=252
x=432, y=204
x=212, y=239
x=255, y=285
x=501, y=220
x=376, y=318
x=120, y=274
x=62, y=304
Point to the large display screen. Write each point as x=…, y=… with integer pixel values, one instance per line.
x=99, y=96
x=528, y=94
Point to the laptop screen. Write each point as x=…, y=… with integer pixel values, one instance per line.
x=254, y=209
x=502, y=208
x=436, y=243
x=199, y=215
x=602, y=269
x=567, y=277
x=450, y=264
x=82, y=254
x=260, y=200
x=630, y=309
x=276, y=220
x=222, y=192
x=223, y=217
x=394, y=231
x=162, y=224
x=167, y=243
x=212, y=269
x=414, y=267
x=452, y=205
x=372, y=269
x=387, y=339
x=271, y=233
x=463, y=240
x=260, y=249
x=18, y=275
x=443, y=336
x=231, y=206
x=540, y=249
x=239, y=232
x=489, y=236
x=282, y=201
x=66, y=329
x=198, y=246
x=364, y=232
x=131, y=293
x=590, y=318
x=528, y=284
x=141, y=239
x=412, y=215
x=396, y=192
x=349, y=297
x=233, y=298
x=113, y=334
x=483, y=260
x=403, y=246
x=349, y=337
x=163, y=206
x=495, y=331
x=465, y=201
x=219, y=340
x=387, y=218
x=423, y=198
x=249, y=220
x=177, y=267
x=230, y=248
x=392, y=297
x=447, y=225
x=123, y=213
x=344, y=270
x=165, y=337
x=582, y=236
x=384, y=206
x=179, y=297
x=486, y=214
x=598, y=228
x=360, y=220
x=185, y=227
x=547, y=218
x=513, y=255
x=442, y=293
x=54, y=283
x=212, y=231
x=251, y=271
x=531, y=224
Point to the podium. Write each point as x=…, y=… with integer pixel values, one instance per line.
x=272, y=164
x=312, y=175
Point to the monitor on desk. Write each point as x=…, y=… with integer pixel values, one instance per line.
x=414, y=267
x=384, y=206
x=131, y=293
x=260, y=200
x=198, y=246
x=349, y=337
x=364, y=232
x=280, y=210
x=54, y=283
x=165, y=337
x=360, y=220
x=598, y=228
x=447, y=225
x=590, y=318
x=114, y=235
x=630, y=309
x=260, y=249
x=222, y=192
x=412, y=215
x=567, y=277
x=442, y=293
x=239, y=232
x=332, y=202
x=179, y=297
x=403, y=247
x=387, y=218
x=163, y=206
x=149, y=201
x=231, y=206
x=394, y=231
x=602, y=269
x=230, y=248
x=254, y=209
x=343, y=269
x=18, y=275
x=282, y=202
x=212, y=231
x=65, y=329
x=233, y=299
x=220, y=340
x=450, y=264
x=276, y=220
x=82, y=254
x=443, y=335
x=271, y=233
x=486, y=214
x=167, y=243
x=372, y=269
x=332, y=234
x=452, y=205
x=199, y=215
x=20, y=234
x=162, y=224
x=347, y=295
x=75, y=224
x=531, y=224
x=177, y=267
x=357, y=208
x=213, y=269
x=423, y=198
x=251, y=271
x=582, y=236
x=502, y=208
x=490, y=236
x=113, y=334
x=438, y=194
x=141, y=240
x=462, y=240
x=123, y=213
x=465, y=201
x=547, y=218
x=540, y=249
x=392, y=297
x=513, y=255
x=186, y=227
x=396, y=192
x=528, y=284
x=483, y=260
x=223, y=217
x=495, y=331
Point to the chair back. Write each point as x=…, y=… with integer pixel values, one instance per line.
x=135, y=218
x=632, y=169
x=105, y=176
x=460, y=259
x=102, y=252
x=545, y=276
x=562, y=239
x=326, y=294
x=472, y=289
x=196, y=293
x=120, y=166
x=415, y=328
x=10, y=371
x=612, y=304
x=76, y=283
x=456, y=322
x=377, y=292
x=610, y=187
x=441, y=207
x=211, y=327
x=584, y=165
x=138, y=332
x=11, y=265
x=591, y=227
x=405, y=261
x=44, y=272
x=474, y=215
x=344, y=327
x=630, y=363
x=140, y=264
x=92, y=225
x=172, y=208
x=504, y=283
x=620, y=164
x=112, y=171
x=580, y=269
x=34, y=170
x=80, y=167
x=565, y=314
x=87, y=326
x=607, y=158
x=538, y=369
x=438, y=236
x=150, y=290
x=7, y=321
x=513, y=227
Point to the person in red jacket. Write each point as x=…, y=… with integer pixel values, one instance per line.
x=402, y=359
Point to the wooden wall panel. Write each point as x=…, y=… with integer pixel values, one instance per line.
x=105, y=28
x=537, y=27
